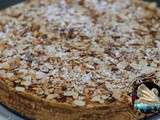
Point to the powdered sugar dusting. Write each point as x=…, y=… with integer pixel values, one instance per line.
x=81, y=50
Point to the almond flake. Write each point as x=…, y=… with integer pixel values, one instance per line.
x=79, y=103
x=40, y=75
x=4, y=65
x=97, y=98
x=52, y=96
x=20, y=89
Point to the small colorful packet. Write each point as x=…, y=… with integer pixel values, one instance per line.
x=146, y=95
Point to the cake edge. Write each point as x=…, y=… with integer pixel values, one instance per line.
x=33, y=107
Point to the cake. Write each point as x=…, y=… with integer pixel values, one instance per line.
x=77, y=59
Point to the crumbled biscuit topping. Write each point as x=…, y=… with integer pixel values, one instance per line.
x=79, y=52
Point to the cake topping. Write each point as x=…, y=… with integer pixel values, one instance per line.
x=66, y=50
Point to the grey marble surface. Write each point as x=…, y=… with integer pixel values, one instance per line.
x=158, y=1
x=8, y=3
x=5, y=114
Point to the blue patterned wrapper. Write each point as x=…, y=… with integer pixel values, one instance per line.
x=147, y=107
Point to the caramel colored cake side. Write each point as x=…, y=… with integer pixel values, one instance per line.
x=77, y=59
x=36, y=108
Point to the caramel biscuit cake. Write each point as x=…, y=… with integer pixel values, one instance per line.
x=76, y=59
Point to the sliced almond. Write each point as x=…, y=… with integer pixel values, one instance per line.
x=79, y=103
x=20, y=89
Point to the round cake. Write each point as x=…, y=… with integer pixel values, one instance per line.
x=77, y=59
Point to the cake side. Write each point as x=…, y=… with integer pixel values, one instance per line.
x=34, y=107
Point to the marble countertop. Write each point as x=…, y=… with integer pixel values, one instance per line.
x=5, y=114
